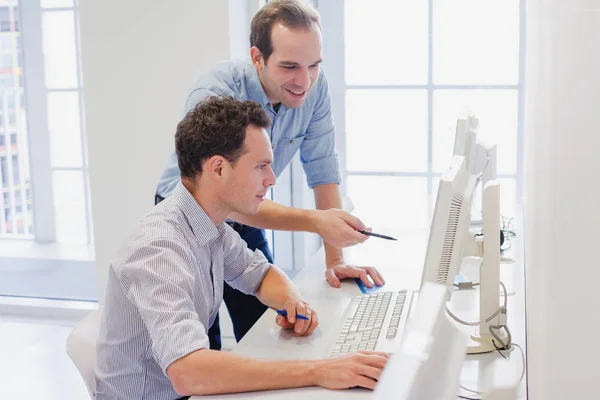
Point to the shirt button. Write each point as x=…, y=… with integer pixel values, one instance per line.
x=291, y=141
x=273, y=146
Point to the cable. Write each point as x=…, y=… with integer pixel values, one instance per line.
x=523, y=360
x=469, y=390
x=501, y=309
x=520, y=380
x=508, y=232
x=498, y=350
x=505, y=346
x=460, y=321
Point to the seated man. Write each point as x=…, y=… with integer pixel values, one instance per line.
x=166, y=285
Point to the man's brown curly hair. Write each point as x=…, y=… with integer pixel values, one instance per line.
x=216, y=126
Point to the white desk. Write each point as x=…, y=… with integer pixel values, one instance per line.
x=401, y=265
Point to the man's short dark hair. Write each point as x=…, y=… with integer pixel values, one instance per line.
x=216, y=126
x=295, y=14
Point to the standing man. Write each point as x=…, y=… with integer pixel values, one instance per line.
x=284, y=76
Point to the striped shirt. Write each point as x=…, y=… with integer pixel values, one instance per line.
x=163, y=293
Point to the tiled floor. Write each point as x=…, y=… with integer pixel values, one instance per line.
x=35, y=365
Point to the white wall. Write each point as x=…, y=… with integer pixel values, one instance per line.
x=139, y=59
x=562, y=198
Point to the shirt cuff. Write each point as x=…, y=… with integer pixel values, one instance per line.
x=249, y=281
x=179, y=340
x=322, y=171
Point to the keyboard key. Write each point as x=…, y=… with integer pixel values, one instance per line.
x=365, y=319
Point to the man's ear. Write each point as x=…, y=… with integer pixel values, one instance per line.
x=214, y=166
x=257, y=58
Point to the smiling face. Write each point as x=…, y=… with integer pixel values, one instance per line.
x=249, y=178
x=293, y=66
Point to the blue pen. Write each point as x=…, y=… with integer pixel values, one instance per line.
x=284, y=313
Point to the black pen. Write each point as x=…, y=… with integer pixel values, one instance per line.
x=369, y=233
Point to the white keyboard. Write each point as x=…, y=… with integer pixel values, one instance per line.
x=373, y=322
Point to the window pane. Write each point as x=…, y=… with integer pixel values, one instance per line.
x=385, y=42
x=475, y=42
x=60, y=61
x=389, y=203
x=508, y=198
x=497, y=114
x=386, y=130
x=56, y=3
x=69, y=207
x=8, y=19
x=65, y=129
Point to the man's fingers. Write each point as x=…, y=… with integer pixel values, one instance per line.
x=280, y=320
x=290, y=308
x=353, y=221
x=332, y=278
x=374, y=353
x=377, y=278
x=352, y=236
x=353, y=272
x=313, y=323
x=283, y=322
x=370, y=372
x=302, y=325
x=362, y=381
x=364, y=277
x=376, y=361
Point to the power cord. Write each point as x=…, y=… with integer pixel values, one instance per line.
x=520, y=380
x=501, y=309
x=508, y=232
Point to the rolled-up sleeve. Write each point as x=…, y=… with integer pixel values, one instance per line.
x=317, y=152
x=244, y=269
x=158, y=278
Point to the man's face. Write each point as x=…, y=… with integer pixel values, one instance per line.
x=250, y=177
x=293, y=66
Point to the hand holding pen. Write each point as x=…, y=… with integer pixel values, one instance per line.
x=297, y=315
x=379, y=235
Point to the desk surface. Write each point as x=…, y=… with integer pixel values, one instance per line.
x=267, y=341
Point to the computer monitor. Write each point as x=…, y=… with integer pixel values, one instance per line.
x=450, y=224
x=428, y=361
x=450, y=241
x=480, y=158
x=465, y=142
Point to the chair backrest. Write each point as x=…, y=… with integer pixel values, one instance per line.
x=81, y=347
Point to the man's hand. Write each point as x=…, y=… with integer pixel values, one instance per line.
x=361, y=369
x=341, y=271
x=301, y=327
x=339, y=228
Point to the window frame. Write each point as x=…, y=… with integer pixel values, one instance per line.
x=36, y=94
x=332, y=17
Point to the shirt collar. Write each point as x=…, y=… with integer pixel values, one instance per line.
x=255, y=89
x=203, y=227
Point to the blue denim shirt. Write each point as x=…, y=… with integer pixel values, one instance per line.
x=309, y=128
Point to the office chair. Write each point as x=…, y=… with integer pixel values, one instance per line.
x=81, y=347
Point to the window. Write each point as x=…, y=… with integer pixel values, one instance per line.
x=43, y=155
x=401, y=73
